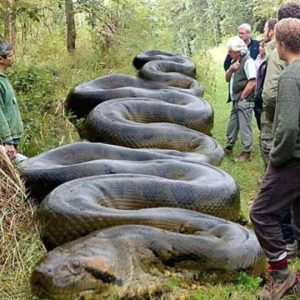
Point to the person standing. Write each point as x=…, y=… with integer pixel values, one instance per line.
x=244, y=32
x=11, y=126
x=242, y=80
x=274, y=67
x=260, y=65
x=280, y=187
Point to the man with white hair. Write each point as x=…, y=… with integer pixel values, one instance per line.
x=241, y=76
x=244, y=32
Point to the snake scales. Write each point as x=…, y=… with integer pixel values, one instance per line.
x=93, y=186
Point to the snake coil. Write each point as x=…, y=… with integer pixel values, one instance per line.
x=87, y=187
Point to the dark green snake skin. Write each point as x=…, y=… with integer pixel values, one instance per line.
x=117, y=217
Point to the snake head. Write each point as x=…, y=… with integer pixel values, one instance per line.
x=61, y=276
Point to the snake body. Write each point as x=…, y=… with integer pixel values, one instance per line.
x=94, y=186
x=148, y=123
x=48, y=170
x=84, y=97
x=184, y=64
x=130, y=261
x=125, y=196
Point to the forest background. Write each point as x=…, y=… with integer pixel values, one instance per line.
x=61, y=43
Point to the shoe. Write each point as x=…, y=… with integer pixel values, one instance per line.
x=277, y=286
x=294, y=290
x=244, y=156
x=228, y=151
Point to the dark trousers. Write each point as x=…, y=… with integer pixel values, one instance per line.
x=286, y=227
x=280, y=192
x=257, y=114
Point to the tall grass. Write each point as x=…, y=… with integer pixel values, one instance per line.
x=19, y=246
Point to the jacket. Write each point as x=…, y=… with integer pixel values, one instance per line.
x=11, y=126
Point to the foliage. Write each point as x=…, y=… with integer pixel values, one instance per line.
x=264, y=10
x=18, y=237
x=41, y=111
x=247, y=283
x=202, y=24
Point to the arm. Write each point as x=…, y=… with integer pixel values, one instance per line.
x=269, y=94
x=227, y=62
x=5, y=133
x=249, y=88
x=234, y=67
x=286, y=123
x=10, y=150
x=228, y=74
x=250, y=72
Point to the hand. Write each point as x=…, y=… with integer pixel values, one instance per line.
x=11, y=151
x=235, y=66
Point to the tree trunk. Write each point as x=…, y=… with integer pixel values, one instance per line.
x=215, y=17
x=9, y=21
x=70, y=21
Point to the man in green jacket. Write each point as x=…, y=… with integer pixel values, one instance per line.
x=11, y=126
x=280, y=187
x=274, y=67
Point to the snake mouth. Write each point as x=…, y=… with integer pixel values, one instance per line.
x=41, y=288
x=105, y=277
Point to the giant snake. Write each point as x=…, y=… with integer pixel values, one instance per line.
x=162, y=191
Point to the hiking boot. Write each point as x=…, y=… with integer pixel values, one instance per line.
x=277, y=285
x=294, y=290
x=228, y=151
x=244, y=156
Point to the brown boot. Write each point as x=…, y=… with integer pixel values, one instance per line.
x=277, y=286
x=244, y=156
x=294, y=290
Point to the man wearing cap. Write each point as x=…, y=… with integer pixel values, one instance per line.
x=11, y=126
x=241, y=76
x=244, y=31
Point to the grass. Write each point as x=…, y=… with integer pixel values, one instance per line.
x=18, y=238
x=19, y=243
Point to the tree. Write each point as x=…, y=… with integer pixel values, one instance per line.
x=9, y=21
x=70, y=22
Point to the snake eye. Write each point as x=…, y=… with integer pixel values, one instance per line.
x=76, y=267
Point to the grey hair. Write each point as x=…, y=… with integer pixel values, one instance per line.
x=235, y=43
x=245, y=26
x=5, y=48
